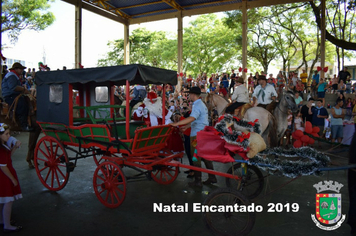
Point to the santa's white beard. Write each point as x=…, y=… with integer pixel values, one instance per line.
x=154, y=108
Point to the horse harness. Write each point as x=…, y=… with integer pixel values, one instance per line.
x=12, y=109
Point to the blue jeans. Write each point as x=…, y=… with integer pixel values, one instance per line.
x=337, y=131
x=187, y=149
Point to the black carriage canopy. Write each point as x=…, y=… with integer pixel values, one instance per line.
x=135, y=74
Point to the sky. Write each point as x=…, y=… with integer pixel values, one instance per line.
x=57, y=41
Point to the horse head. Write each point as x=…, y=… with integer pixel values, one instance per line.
x=216, y=101
x=288, y=100
x=208, y=100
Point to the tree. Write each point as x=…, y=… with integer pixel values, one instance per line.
x=260, y=40
x=282, y=31
x=18, y=15
x=208, y=46
x=146, y=47
x=349, y=7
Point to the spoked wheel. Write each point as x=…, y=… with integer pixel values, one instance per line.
x=230, y=222
x=164, y=174
x=109, y=184
x=249, y=183
x=98, y=158
x=51, y=162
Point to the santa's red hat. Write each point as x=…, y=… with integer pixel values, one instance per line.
x=152, y=96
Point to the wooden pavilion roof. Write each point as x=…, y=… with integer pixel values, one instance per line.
x=130, y=12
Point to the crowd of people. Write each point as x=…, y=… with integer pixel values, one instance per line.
x=263, y=90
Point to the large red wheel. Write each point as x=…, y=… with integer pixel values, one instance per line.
x=164, y=174
x=51, y=163
x=98, y=158
x=109, y=184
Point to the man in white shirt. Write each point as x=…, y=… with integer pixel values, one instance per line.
x=264, y=94
x=295, y=79
x=240, y=93
x=240, y=97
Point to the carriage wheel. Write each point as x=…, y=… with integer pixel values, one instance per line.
x=164, y=174
x=250, y=184
x=229, y=222
x=98, y=158
x=50, y=162
x=109, y=184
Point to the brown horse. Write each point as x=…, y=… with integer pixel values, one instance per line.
x=7, y=116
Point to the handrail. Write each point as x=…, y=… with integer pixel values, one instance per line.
x=92, y=111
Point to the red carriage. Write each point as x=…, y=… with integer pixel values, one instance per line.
x=93, y=128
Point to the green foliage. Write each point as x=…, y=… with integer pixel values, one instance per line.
x=285, y=33
x=18, y=15
x=340, y=22
x=207, y=47
x=146, y=47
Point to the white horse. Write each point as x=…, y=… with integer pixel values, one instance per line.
x=272, y=126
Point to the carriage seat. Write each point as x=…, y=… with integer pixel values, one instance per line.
x=56, y=127
x=78, y=123
x=121, y=128
x=134, y=122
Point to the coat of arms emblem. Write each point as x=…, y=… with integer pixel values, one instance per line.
x=328, y=205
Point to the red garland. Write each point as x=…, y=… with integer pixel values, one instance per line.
x=242, y=137
x=217, y=132
x=236, y=118
x=221, y=117
x=253, y=123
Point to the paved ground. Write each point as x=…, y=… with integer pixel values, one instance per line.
x=75, y=210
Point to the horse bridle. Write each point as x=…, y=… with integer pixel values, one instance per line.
x=212, y=102
x=289, y=107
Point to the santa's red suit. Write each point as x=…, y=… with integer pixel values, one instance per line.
x=151, y=111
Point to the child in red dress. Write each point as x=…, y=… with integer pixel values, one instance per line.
x=9, y=188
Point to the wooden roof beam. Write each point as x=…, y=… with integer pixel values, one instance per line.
x=213, y=9
x=207, y=3
x=97, y=10
x=139, y=5
x=173, y=4
x=109, y=7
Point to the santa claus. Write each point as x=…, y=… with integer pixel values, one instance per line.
x=151, y=111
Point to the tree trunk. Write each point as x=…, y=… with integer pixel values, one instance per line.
x=338, y=42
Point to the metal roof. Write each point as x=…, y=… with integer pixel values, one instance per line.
x=139, y=11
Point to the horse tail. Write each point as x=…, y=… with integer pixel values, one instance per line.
x=271, y=131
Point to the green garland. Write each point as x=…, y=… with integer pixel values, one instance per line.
x=325, y=141
x=289, y=168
